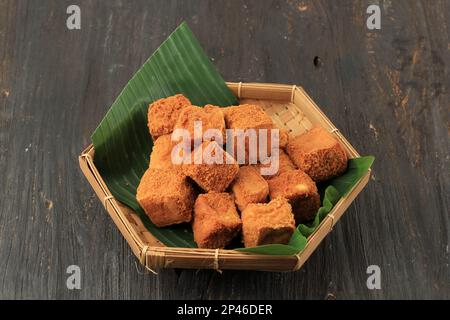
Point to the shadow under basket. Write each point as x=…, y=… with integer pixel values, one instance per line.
x=289, y=107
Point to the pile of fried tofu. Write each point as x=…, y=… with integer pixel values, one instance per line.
x=225, y=200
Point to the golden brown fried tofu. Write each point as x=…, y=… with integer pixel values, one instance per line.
x=211, y=117
x=163, y=114
x=247, y=116
x=166, y=197
x=267, y=223
x=284, y=138
x=318, y=153
x=243, y=118
x=161, y=156
x=249, y=187
x=301, y=192
x=211, y=167
x=216, y=221
x=283, y=162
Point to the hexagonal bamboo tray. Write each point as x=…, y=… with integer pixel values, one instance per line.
x=291, y=108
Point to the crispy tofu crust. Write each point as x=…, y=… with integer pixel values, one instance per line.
x=267, y=223
x=284, y=164
x=301, y=192
x=161, y=156
x=244, y=117
x=211, y=117
x=249, y=187
x=211, y=177
x=318, y=154
x=216, y=221
x=284, y=138
x=166, y=197
x=163, y=114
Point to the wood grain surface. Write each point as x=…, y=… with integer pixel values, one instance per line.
x=387, y=90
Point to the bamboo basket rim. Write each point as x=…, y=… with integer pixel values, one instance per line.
x=155, y=256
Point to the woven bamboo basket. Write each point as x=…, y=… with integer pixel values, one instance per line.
x=291, y=108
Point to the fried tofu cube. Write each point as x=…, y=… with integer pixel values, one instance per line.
x=242, y=119
x=301, y=192
x=318, y=153
x=269, y=223
x=216, y=221
x=166, y=197
x=163, y=114
x=211, y=117
x=249, y=187
x=161, y=156
x=283, y=163
x=247, y=116
x=282, y=136
x=211, y=167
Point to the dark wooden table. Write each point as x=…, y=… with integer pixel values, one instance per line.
x=387, y=90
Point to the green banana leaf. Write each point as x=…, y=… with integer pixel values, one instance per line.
x=122, y=142
x=338, y=188
x=123, y=145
